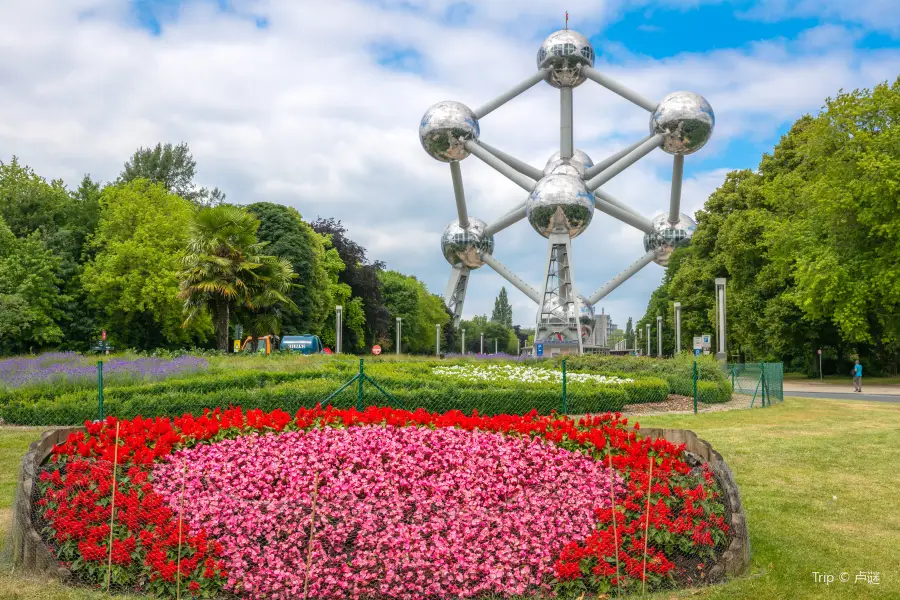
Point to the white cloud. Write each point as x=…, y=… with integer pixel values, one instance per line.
x=300, y=113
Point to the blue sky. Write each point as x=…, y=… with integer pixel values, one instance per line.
x=316, y=104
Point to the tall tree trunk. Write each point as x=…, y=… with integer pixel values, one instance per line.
x=222, y=325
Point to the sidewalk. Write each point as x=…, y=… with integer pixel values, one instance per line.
x=835, y=388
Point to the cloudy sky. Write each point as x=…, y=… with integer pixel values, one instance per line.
x=316, y=103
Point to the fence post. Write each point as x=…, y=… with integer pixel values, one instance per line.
x=762, y=381
x=565, y=401
x=99, y=390
x=732, y=378
x=359, y=387
x=695, y=387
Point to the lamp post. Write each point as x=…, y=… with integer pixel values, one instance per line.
x=659, y=336
x=437, y=339
x=495, y=346
x=462, y=345
x=482, y=343
x=678, y=328
x=648, y=339
x=338, y=327
x=399, y=327
x=721, y=349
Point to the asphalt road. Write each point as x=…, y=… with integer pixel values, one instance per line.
x=848, y=396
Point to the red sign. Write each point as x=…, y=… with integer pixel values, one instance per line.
x=376, y=350
x=103, y=335
x=328, y=351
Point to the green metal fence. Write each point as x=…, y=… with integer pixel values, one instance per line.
x=574, y=386
x=762, y=382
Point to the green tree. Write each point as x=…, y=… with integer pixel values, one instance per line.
x=503, y=312
x=29, y=293
x=132, y=280
x=290, y=238
x=408, y=298
x=629, y=334
x=225, y=269
x=174, y=168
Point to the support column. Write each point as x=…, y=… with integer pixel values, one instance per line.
x=678, y=328
x=619, y=279
x=675, y=200
x=721, y=320
x=504, y=272
x=558, y=321
x=455, y=293
x=459, y=192
x=566, y=133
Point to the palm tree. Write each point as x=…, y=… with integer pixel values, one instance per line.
x=225, y=268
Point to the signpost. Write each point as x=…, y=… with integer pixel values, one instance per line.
x=237, y=346
x=539, y=349
x=707, y=343
x=376, y=349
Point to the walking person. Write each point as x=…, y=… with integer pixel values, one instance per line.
x=857, y=377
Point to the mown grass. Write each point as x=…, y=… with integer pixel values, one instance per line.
x=791, y=460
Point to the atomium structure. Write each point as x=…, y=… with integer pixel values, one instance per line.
x=563, y=196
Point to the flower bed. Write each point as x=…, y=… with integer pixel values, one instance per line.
x=409, y=505
x=520, y=373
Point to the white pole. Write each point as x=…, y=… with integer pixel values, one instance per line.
x=338, y=326
x=482, y=343
x=495, y=346
x=721, y=349
x=648, y=339
x=399, y=325
x=437, y=339
x=462, y=346
x=659, y=336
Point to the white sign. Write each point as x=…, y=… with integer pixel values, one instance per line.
x=698, y=343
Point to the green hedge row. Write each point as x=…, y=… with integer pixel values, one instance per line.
x=75, y=409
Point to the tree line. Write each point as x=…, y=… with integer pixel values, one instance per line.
x=809, y=243
x=158, y=262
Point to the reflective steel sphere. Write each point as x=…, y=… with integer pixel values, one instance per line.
x=560, y=204
x=559, y=309
x=564, y=52
x=580, y=160
x=445, y=129
x=462, y=246
x=585, y=311
x=687, y=121
x=665, y=238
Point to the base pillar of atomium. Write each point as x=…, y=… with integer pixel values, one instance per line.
x=455, y=294
x=558, y=326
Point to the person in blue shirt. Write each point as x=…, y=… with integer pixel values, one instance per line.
x=857, y=377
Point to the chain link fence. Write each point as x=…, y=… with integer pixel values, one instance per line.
x=763, y=383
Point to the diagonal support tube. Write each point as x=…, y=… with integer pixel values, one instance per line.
x=677, y=176
x=606, y=162
x=522, y=167
x=526, y=183
x=504, y=272
x=619, y=279
x=617, y=203
x=618, y=88
x=635, y=220
x=623, y=163
x=502, y=99
x=510, y=218
x=459, y=192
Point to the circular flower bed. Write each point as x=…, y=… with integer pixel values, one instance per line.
x=385, y=503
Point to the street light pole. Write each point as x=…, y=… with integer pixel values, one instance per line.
x=482, y=343
x=648, y=339
x=338, y=326
x=399, y=326
x=659, y=336
x=462, y=346
x=437, y=339
x=678, y=328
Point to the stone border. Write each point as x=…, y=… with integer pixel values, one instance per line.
x=31, y=555
x=735, y=561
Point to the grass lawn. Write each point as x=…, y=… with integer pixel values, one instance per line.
x=790, y=461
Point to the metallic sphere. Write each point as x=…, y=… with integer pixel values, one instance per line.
x=462, y=246
x=665, y=238
x=564, y=52
x=585, y=311
x=560, y=203
x=686, y=120
x=580, y=160
x=558, y=308
x=445, y=129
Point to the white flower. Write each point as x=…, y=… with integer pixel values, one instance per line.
x=521, y=373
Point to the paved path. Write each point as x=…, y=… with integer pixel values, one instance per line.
x=794, y=388
x=844, y=396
